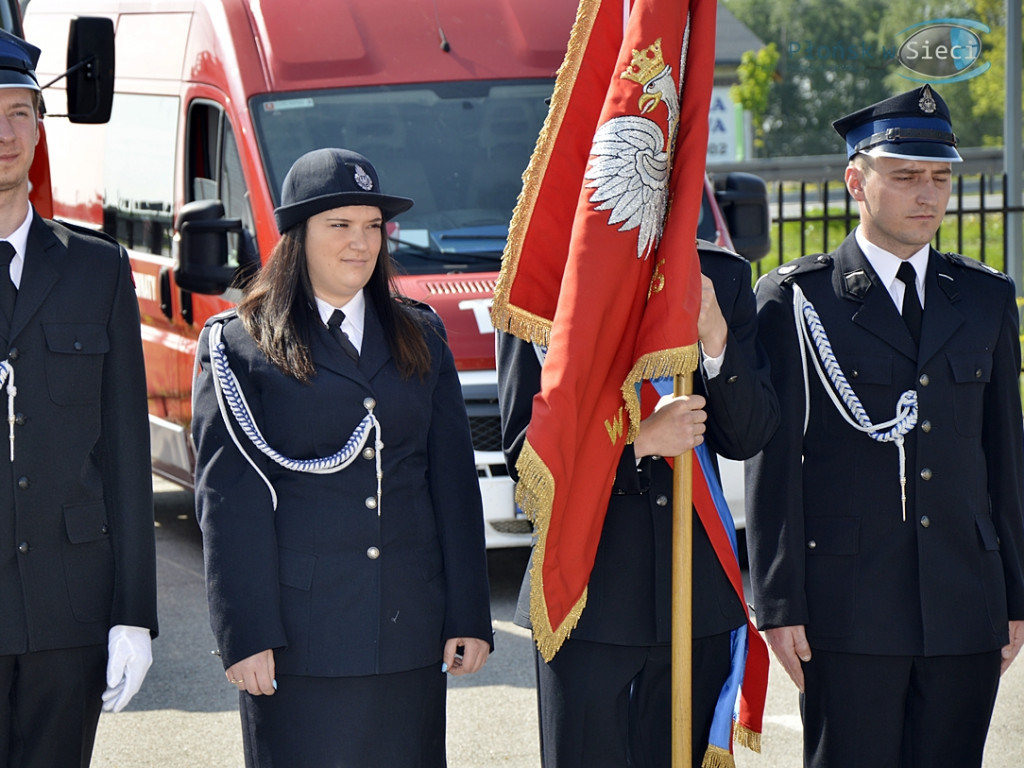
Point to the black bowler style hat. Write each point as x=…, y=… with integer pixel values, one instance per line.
x=330, y=178
x=912, y=126
x=17, y=62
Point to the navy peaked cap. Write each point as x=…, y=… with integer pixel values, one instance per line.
x=18, y=61
x=914, y=125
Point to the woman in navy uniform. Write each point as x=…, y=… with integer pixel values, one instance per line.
x=345, y=575
x=893, y=609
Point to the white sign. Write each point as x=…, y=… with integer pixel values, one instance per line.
x=723, y=128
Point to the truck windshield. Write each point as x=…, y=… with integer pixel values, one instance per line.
x=458, y=149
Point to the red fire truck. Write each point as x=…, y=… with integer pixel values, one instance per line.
x=213, y=101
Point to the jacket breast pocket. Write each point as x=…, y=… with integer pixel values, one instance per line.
x=971, y=372
x=74, y=361
x=871, y=379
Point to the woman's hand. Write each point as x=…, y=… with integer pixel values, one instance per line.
x=474, y=654
x=254, y=674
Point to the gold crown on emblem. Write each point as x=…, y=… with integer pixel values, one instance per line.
x=645, y=64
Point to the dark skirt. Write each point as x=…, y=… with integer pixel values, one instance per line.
x=348, y=722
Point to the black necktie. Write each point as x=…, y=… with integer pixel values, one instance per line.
x=334, y=324
x=911, y=301
x=8, y=293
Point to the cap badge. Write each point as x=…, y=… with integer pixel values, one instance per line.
x=363, y=179
x=927, y=102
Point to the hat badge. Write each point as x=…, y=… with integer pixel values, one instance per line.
x=363, y=179
x=927, y=102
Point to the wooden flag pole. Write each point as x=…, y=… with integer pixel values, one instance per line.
x=682, y=598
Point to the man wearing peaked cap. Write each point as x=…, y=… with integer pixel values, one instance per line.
x=885, y=524
x=77, y=559
x=913, y=125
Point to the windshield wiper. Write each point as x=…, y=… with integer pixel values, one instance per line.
x=446, y=257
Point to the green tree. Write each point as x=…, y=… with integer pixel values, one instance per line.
x=831, y=62
x=976, y=104
x=836, y=56
x=988, y=91
x=756, y=73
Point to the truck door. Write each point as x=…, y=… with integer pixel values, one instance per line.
x=213, y=171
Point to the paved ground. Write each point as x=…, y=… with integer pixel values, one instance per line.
x=186, y=714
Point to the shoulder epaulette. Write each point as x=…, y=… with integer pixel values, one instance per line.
x=962, y=261
x=405, y=301
x=222, y=317
x=811, y=263
x=79, y=229
x=707, y=246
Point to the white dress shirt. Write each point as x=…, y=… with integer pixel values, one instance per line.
x=355, y=316
x=886, y=264
x=19, y=239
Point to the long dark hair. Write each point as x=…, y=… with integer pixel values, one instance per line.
x=279, y=311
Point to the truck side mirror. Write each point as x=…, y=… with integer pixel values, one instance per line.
x=202, y=243
x=90, y=72
x=743, y=198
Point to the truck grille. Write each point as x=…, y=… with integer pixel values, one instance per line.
x=486, y=431
x=454, y=287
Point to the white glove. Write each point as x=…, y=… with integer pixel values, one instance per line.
x=129, y=655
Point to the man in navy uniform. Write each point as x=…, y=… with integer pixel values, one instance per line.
x=605, y=699
x=885, y=526
x=77, y=563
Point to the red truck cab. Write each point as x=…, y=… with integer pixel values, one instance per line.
x=214, y=100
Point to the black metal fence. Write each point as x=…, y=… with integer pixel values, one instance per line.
x=815, y=217
x=812, y=213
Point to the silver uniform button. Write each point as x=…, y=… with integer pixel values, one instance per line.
x=371, y=502
x=373, y=553
x=926, y=426
x=924, y=380
x=926, y=474
x=925, y=522
x=368, y=453
x=661, y=501
x=369, y=403
x=812, y=544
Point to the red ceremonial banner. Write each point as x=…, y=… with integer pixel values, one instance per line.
x=601, y=268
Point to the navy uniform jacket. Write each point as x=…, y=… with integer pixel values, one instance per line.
x=828, y=545
x=334, y=585
x=77, y=554
x=629, y=598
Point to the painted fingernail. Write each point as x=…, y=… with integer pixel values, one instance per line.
x=444, y=667
x=274, y=683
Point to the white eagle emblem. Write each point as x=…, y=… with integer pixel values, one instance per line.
x=631, y=157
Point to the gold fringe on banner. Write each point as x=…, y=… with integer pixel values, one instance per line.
x=535, y=494
x=716, y=757
x=745, y=737
x=657, y=365
x=516, y=320
x=524, y=325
